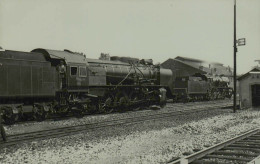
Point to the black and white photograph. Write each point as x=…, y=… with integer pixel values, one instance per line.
x=130, y=81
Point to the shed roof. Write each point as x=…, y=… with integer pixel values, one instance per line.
x=196, y=63
x=197, y=60
x=254, y=71
x=201, y=71
x=186, y=64
x=188, y=59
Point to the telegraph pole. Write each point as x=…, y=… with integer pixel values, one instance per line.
x=239, y=42
x=235, y=62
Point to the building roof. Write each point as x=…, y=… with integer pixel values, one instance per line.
x=186, y=64
x=253, y=71
x=197, y=60
x=188, y=59
x=209, y=68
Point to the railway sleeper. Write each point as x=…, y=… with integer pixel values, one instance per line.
x=228, y=158
x=201, y=161
x=254, y=138
x=245, y=146
x=256, y=150
x=249, y=141
x=234, y=153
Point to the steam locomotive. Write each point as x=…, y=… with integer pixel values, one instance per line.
x=49, y=82
x=34, y=84
x=199, y=87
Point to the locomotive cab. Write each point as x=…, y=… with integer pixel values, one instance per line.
x=72, y=68
x=76, y=76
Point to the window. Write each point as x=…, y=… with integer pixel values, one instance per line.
x=82, y=72
x=73, y=71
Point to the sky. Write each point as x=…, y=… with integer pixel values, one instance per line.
x=157, y=29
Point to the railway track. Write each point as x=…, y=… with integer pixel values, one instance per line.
x=238, y=150
x=174, y=105
x=65, y=131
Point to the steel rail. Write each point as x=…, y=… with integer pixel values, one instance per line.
x=195, y=158
x=64, y=131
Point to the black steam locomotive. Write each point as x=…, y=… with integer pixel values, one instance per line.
x=35, y=84
x=198, y=87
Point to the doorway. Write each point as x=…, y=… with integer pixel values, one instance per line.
x=255, y=95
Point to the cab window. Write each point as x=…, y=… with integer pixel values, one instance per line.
x=73, y=71
x=82, y=72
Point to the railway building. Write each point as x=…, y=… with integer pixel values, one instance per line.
x=249, y=88
x=181, y=68
x=188, y=66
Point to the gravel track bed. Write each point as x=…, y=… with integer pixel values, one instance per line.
x=150, y=142
x=48, y=124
